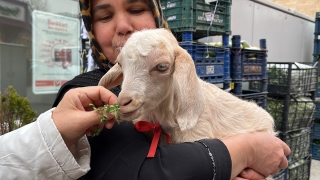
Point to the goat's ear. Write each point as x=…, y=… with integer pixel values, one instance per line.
x=188, y=96
x=112, y=78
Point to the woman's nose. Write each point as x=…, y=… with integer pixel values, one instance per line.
x=124, y=25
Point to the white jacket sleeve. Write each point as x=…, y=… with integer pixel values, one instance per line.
x=37, y=151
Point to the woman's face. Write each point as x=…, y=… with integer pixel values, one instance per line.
x=113, y=22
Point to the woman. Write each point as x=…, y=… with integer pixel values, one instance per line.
x=120, y=153
x=55, y=146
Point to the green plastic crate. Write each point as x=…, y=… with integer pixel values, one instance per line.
x=195, y=16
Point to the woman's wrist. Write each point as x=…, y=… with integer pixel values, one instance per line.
x=241, y=152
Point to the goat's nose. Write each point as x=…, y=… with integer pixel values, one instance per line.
x=124, y=101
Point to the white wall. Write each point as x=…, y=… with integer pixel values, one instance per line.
x=289, y=34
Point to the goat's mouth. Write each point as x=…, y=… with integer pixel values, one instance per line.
x=128, y=115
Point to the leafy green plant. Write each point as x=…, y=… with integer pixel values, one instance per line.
x=103, y=111
x=15, y=111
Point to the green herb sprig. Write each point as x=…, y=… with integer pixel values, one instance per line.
x=103, y=111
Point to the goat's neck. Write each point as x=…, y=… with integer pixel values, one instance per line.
x=165, y=111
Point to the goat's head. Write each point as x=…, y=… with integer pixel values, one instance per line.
x=157, y=76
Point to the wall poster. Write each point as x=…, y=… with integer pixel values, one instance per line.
x=55, y=56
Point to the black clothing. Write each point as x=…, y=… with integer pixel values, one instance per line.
x=120, y=153
x=90, y=78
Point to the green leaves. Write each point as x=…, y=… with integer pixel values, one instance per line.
x=15, y=111
x=104, y=111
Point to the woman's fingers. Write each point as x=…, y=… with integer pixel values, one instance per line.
x=74, y=116
x=283, y=163
x=109, y=124
x=249, y=173
x=95, y=129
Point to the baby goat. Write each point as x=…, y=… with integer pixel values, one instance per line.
x=159, y=80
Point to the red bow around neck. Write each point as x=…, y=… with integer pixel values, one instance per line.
x=143, y=126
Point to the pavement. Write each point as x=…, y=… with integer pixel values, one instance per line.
x=315, y=170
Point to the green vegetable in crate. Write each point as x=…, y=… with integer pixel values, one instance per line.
x=252, y=56
x=277, y=75
x=218, y=44
x=211, y=44
x=299, y=143
x=316, y=141
x=303, y=77
x=300, y=112
x=275, y=108
x=296, y=169
x=244, y=44
x=210, y=54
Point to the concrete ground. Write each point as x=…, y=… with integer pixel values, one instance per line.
x=315, y=170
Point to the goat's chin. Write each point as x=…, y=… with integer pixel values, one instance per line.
x=128, y=116
x=132, y=115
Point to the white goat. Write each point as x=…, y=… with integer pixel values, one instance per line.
x=159, y=79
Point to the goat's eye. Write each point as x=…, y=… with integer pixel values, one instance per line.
x=119, y=64
x=162, y=67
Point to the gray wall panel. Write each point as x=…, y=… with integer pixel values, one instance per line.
x=292, y=39
x=242, y=19
x=268, y=24
x=309, y=27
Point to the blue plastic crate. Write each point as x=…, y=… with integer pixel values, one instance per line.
x=247, y=64
x=318, y=88
x=316, y=131
x=315, y=151
x=317, y=112
x=260, y=98
x=282, y=175
x=187, y=36
x=209, y=61
x=316, y=46
x=317, y=24
x=316, y=58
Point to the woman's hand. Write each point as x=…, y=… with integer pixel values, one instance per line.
x=250, y=174
x=260, y=151
x=74, y=117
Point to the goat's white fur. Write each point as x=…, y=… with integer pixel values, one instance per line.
x=186, y=107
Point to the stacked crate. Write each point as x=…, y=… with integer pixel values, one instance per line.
x=291, y=93
x=249, y=66
x=196, y=16
x=190, y=20
x=315, y=141
x=316, y=47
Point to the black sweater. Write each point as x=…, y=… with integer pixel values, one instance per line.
x=120, y=153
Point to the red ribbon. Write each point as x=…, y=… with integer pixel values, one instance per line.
x=143, y=126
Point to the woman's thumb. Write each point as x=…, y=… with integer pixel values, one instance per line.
x=90, y=118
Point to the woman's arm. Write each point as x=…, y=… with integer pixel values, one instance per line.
x=55, y=148
x=37, y=151
x=120, y=153
x=260, y=151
